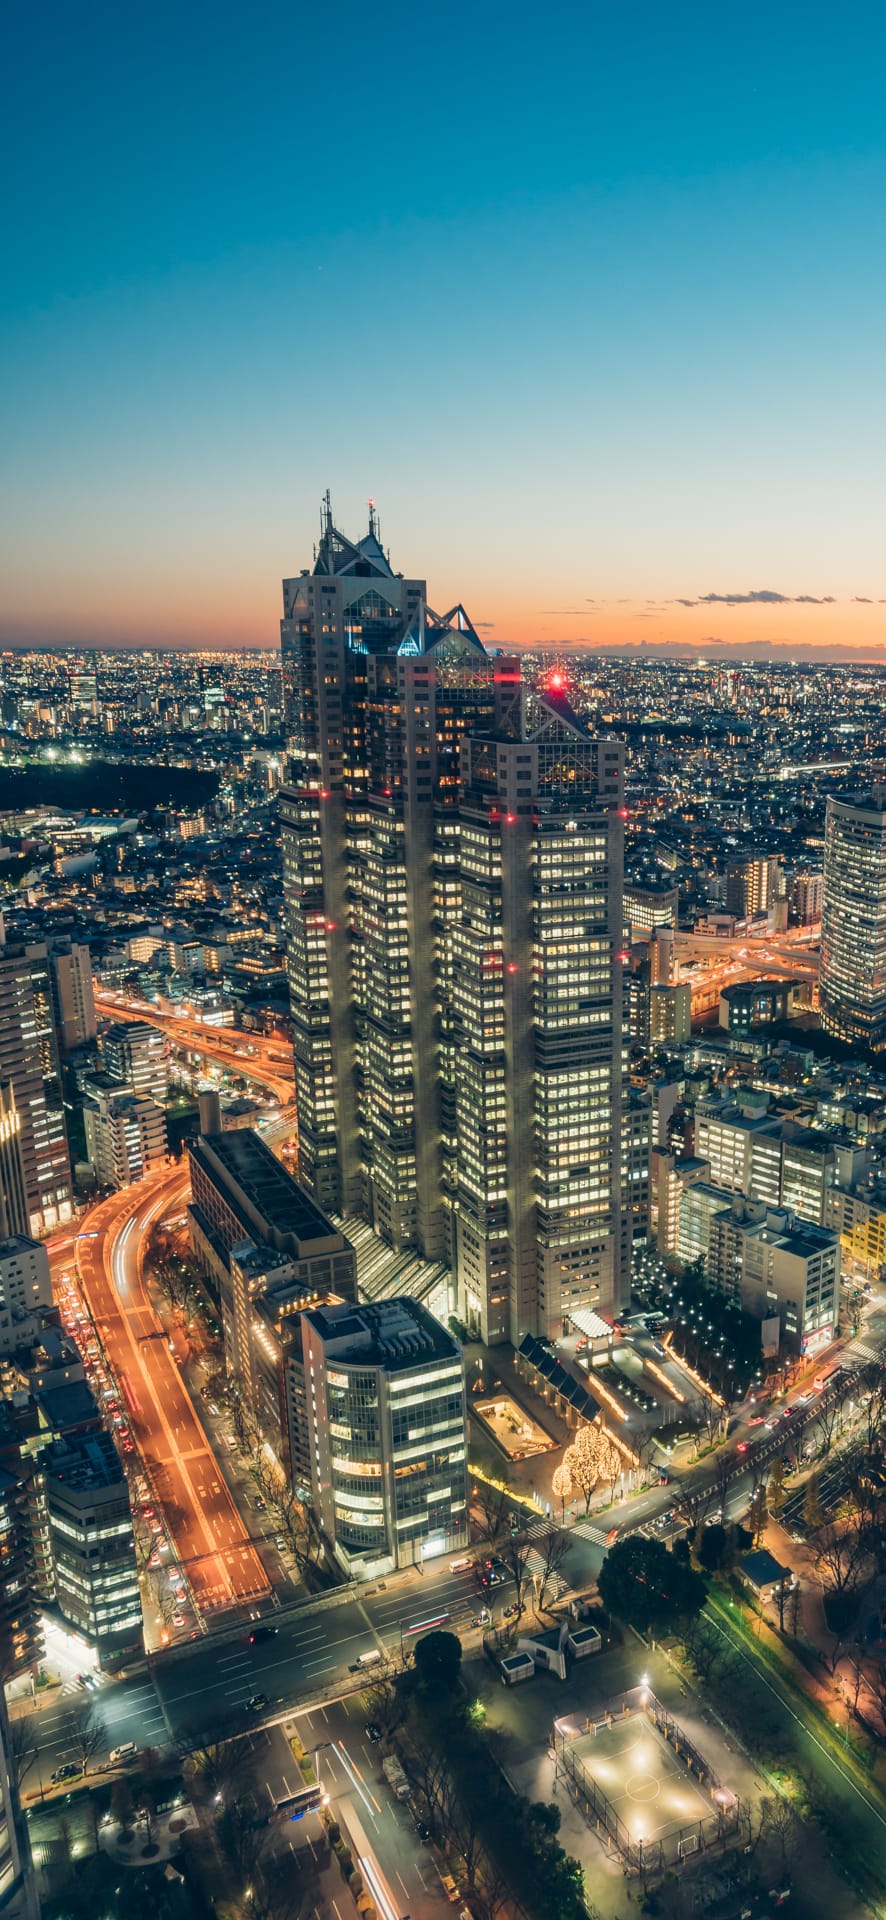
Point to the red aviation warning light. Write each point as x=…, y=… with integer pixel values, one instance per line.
x=556, y=681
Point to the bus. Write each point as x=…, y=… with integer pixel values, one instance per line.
x=294, y=1806
x=378, y=1887
x=825, y=1374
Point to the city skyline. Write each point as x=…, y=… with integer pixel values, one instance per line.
x=608, y=355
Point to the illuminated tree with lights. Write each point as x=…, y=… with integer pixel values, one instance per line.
x=562, y=1484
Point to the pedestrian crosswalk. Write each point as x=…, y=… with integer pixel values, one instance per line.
x=589, y=1532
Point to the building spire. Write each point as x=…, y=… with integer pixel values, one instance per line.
x=373, y=520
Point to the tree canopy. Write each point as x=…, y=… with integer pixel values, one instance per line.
x=438, y=1661
x=648, y=1587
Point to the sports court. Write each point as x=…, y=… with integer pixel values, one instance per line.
x=649, y=1786
x=641, y=1783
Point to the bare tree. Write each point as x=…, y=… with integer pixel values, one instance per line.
x=553, y=1549
x=215, y=1759
x=23, y=1748
x=841, y=1556
x=87, y=1731
x=692, y=1504
x=515, y=1555
x=828, y=1413
x=493, y=1502
x=713, y=1416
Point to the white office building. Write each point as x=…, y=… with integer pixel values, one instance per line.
x=384, y=1400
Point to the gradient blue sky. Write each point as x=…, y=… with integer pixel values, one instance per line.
x=590, y=299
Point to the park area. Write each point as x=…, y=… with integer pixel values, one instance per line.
x=642, y=1784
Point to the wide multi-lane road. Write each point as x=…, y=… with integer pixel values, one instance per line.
x=252, y=1056
x=219, y=1561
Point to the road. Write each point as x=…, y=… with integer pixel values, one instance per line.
x=349, y=1767
x=219, y=1561
x=253, y=1056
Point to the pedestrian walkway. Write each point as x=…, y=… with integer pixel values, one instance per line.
x=589, y=1532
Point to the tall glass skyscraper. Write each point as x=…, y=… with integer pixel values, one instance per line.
x=853, y=922
x=452, y=845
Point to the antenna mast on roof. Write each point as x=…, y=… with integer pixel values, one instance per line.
x=374, y=523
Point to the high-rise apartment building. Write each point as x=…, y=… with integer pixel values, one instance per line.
x=125, y=1135
x=134, y=1053
x=453, y=857
x=73, y=996
x=384, y=1400
x=805, y=898
x=29, y=1062
x=753, y=883
x=853, y=922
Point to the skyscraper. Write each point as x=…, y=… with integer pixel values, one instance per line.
x=452, y=847
x=29, y=1061
x=853, y=922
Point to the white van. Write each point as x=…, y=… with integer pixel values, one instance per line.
x=128, y=1751
x=365, y=1660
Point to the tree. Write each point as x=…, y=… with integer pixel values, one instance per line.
x=121, y=1804
x=493, y=1502
x=87, y=1732
x=776, y=1492
x=562, y=1485
x=712, y=1415
x=554, y=1549
x=758, y=1514
x=813, y=1511
x=582, y=1462
x=691, y=1505
x=592, y=1457
x=23, y=1748
x=708, y=1649
x=214, y=1759
x=648, y=1587
x=841, y=1558
x=147, y=1810
x=438, y=1661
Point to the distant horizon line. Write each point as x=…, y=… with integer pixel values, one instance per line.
x=757, y=653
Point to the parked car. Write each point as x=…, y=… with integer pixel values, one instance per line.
x=70, y=1771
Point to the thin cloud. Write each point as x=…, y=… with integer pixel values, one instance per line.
x=758, y=597
x=861, y=600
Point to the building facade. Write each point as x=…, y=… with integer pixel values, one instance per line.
x=778, y=1267
x=852, y=981
x=452, y=849
x=125, y=1136
x=384, y=1398
x=134, y=1054
x=29, y=1063
x=93, y=1551
x=25, y=1290
x=254, y=1229
x=72, y=993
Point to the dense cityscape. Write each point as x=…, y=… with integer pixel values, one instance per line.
x=443, y=1199
x=443, y=963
